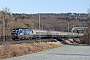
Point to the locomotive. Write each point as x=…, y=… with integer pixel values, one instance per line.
x=21, y=33
x=25, y=33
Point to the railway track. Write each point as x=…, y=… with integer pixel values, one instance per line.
x=27, y=41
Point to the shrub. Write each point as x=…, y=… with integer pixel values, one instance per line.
x=86, y=38
x=9, y=50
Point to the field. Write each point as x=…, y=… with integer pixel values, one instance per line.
x=13, y=50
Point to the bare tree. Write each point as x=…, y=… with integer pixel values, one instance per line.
x=86, y=38
x=5, y=18
x=6, y=13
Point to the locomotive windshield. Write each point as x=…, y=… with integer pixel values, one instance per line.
x=14, y=31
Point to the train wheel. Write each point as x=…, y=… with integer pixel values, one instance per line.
x=30, y=38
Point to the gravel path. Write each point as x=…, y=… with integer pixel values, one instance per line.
x=66, y=52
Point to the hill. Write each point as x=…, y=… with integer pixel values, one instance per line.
x=52, y=21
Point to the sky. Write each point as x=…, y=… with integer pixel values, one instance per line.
x=46, y=6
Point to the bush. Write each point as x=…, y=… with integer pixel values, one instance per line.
x=86, y=38
x=9, y=50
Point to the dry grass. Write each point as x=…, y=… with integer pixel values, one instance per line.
x=70, y=42
x=7, y=51
x=67, y=42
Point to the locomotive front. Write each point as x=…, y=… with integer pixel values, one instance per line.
x=15, y=34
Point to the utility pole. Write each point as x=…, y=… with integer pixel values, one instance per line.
x=39, y=21
x=3, y=28
x=42, y=26
x=68, y=29
x=39, y=26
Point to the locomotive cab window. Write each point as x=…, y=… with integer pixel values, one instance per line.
x=20, y=31
x=14, y=31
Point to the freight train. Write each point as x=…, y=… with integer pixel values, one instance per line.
x=25, y=33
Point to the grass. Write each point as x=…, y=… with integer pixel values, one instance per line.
x=13, y=50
